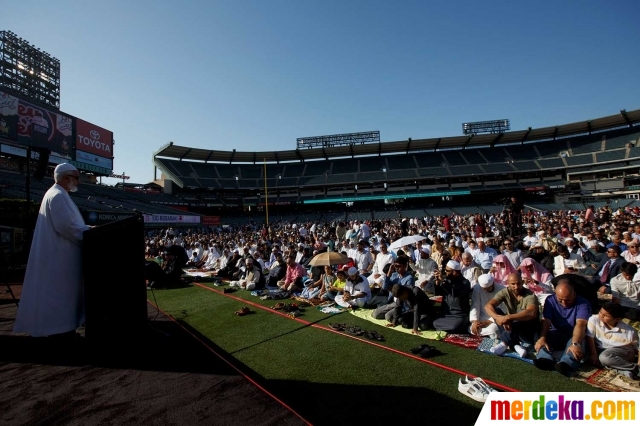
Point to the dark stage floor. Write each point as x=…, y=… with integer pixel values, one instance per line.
x=167, y=377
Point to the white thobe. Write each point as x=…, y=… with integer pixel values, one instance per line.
x=52, y=300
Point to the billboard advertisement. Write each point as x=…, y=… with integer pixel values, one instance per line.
x=93, y=139
x=8, y=117
x=84, y=157
x=28, y=124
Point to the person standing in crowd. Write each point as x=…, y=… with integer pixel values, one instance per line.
x=52, y=301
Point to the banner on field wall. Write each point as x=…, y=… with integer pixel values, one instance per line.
x=211, y=220
x=170, y=218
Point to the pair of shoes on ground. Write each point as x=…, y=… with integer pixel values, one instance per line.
x=354, y=331
x=243, y=311
x=426, y=351
x=229, y=290
x=474, y=388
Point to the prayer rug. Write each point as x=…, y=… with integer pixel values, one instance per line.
x=633, y=323
x=366, y=315
x=487, y=343
x=606, y=379
x=464, y=340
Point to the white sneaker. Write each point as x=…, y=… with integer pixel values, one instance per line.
x=499, y=349
x=475, y=389
x=520, y=350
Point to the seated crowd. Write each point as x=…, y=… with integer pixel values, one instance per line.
x=537, y=290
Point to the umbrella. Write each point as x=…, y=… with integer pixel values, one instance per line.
x=329, y=258
x=405, y=241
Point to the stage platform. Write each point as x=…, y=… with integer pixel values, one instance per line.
x=166, y=378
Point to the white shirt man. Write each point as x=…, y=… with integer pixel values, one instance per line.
x=383, y=258
x=52, y=299
x=485, y=255
x=363, y=259
x=356, y=290
x=481, y=323
x=425, y=267
x=469, y=269
x=530, y=240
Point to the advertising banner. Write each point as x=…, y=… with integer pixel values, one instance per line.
x=87, y=158
x=211, y=220
x=94, y=218
x=35, y=155
x=41, y=128
x=8, y=117
x=170, y=218
x=93, y=139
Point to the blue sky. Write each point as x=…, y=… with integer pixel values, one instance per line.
x=255, y=75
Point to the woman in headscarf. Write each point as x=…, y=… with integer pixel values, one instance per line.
x=536, y=278
x=501, y=268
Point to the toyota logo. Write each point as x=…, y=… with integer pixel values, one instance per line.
x=95, y=134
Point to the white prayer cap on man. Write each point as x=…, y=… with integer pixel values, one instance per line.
x=426, y=250
x=485, y=280
x=352, y=271
x=479, y=240
x=569, y=239
x=63, y=168
x=452, y=264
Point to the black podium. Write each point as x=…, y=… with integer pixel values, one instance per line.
x=114, y=281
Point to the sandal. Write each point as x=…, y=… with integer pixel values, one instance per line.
x=373, y=335
x=354, y=331
x=243, y=311
x=278, y=306
x=337, y=327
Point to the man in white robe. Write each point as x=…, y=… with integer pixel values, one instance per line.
x=52, y=300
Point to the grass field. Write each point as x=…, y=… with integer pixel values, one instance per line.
x=330, y=378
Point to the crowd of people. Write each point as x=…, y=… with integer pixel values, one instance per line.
x=536, y=282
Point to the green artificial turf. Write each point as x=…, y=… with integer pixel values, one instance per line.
x=329, y=377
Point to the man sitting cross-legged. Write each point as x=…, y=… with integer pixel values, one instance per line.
x=356, y=291
x=625, y=290
x=565, y=322
x=612, y=343
x=481, y=322
x=521, y=322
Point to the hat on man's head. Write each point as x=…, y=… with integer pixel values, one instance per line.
x=479, y=239
x=485, y=280
x=64, y=168
x=425, y=250
x=352, y=271
x=452, y=264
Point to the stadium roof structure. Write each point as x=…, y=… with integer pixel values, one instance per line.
x=623, y=119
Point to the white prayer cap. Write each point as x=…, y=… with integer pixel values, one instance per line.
x=425, y=250
x=452, y=264
x=568, y=239
x=63, y=168
x=352, y=271
x=485, y=280
x=479, y=239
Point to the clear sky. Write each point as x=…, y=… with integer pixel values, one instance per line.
x=255, y=75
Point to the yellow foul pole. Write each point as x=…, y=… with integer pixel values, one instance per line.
x=266, y=195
